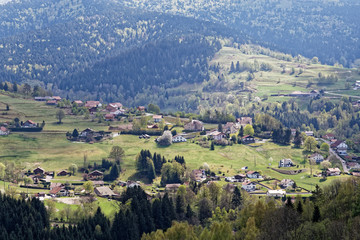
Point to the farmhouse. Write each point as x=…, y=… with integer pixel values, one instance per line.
x=285, y=183
x=309, y=133
x=39, y=171
x=92, y=104
x=157, y=118
x=109, y=117
x=216, y=135
x=56, y=98
x=198, y=175
x=293, y=132
x=243, y=121
x=230, y=128
x=4, y=131
x=341, y=147
x=112, y=107
x=329, y=136
x=55, y=184
x=62, y=173
x=318, y=158
x=194, y=125
x=248, y=139
x=86, y=132
x=253, y=174
x=286, y=163
x=276, y=193
x=249, y=186
x=178, y=138
x=95, y=175
x=51, y=102
x=29, y=124
x=59, y=191
x=172, y=188
x=104, y=192
x=141, y=108
x=79, y=103
x=333, y=172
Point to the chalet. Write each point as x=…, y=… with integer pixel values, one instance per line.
x=95, y=175
x=198, y=175
x=104, y=192
x=63, y=173
x=240, y=177
x=141, y=108
x=329, y=136
x=109, y=117
x=79, y=103
x=4, y=131
x=51, y=102
x=318, y=158
x=178, y=138
x=276, y=193
x=57, y=98
x=172, y=188
x=286, y=162
x=248, y=139
x=253, y=174
x=285, y=183
x=341, y=147
x=309, y=133
x=92, y=104
x=29, y=124
x=243, y=121
x=216, y=135
x=249, y=186
x=230, y=128
x=86, y=132
x=39, y=171
x=194, y=125
x=157, y=118
x=59, y=191
x=112, y=107
x=333, y=172
x=55, y=184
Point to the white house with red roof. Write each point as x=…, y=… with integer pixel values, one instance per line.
x=248, y=186
x=341, y=147
x=4, y=131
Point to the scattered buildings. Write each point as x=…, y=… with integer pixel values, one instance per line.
x=194, y=125
x=286, y=163
x=341, y=147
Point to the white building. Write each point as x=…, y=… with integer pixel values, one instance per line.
x=249, y=186
x=178, y=138
x=276, y=193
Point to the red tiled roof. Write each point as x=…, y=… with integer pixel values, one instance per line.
x=55, y=190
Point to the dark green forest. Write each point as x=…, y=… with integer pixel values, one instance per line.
x=198, y=212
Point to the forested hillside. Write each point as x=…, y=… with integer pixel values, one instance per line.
x=322, y=28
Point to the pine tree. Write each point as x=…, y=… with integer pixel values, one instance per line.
x=241, y=132
x=232, y=67
x=151, y=170
x=289, y=203
x=299, y=208
x=212, y=147
x=236, y=198
x=6, y=87
x=316, y=214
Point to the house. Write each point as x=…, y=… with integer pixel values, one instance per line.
x=62, y=173
x=230, y=128
x=86, y=132
x=154, y=126
x=253, y=174
x=141, y=108
x=314, y=93
x=248, y=139
x=29, y=124
x=109, y=117
x=79, y=103
x=92, y=104
x=172, y=187
x=329, y=136
x=341, y=147
x=55, y=184
x=43, y=99
x=216, y=135
x=249, y=186
x=318, y=158
x=243, y=121
x=157, y=118
x=132, y=184
x=112, y=107
x=98, y=183
x=309, y=133
x=95, y=175
x=198, y=175
x=293, y=132
x=4, y=131
x=51, y=102
x=57, y=98
x=276, y=193
x=285, y=183
x=240, y=177
x=178, y=138
x=194, y=125
x=286, y=162
x=333, y=172
x=356, y=174
x=104, y=192
x=59, y=191
x=39, y=171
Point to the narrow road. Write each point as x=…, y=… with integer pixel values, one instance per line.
x=341, y=95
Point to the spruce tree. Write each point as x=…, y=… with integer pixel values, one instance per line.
x=236, y=198
x=316, y=214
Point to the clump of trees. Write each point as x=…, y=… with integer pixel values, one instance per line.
x=165, y=139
